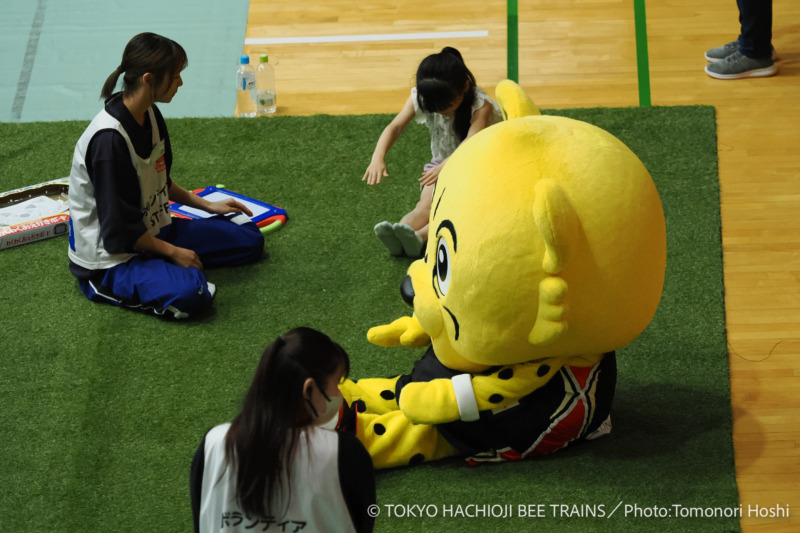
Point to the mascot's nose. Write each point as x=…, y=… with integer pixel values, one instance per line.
x=407, y=291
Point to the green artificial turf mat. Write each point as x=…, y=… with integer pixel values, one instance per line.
x=103, y=408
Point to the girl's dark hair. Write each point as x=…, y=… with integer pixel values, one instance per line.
x=263, y=436
x=441, y=79
x=146, y=52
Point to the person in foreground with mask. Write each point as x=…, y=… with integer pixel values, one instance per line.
x=275, y=463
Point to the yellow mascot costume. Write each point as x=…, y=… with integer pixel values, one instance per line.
x=546, y=253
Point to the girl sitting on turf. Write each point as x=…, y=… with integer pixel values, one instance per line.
x=447, y=100
x=274, y=464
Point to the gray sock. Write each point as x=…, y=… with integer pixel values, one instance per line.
x=385, y=232
x=412, y=243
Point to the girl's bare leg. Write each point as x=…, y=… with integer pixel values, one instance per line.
x=417, y=218
x=423, y=232
x=412, y=230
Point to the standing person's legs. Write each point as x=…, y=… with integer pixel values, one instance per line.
x=753, y=57
x=755, y=18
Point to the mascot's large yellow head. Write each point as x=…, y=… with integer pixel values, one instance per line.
x=546, y=239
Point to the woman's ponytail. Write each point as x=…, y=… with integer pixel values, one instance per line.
x=111, y=83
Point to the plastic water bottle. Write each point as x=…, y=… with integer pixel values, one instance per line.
x=246, y=88
x=265, y=84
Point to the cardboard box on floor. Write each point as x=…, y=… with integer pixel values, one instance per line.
x=37, y=228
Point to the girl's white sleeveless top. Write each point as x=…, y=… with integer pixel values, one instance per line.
x=444, y=140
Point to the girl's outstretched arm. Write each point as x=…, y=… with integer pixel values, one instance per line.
x=377, y=167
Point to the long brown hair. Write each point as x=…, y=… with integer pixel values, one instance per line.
x=146, y=52
x=263, y=436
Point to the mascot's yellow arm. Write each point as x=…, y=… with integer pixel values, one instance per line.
x=434, y=402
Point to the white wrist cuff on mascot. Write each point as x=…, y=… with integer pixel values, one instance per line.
x=465, y=397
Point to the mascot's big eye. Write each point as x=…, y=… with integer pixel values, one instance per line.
x=442, y=271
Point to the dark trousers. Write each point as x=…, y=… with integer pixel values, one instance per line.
x=755, y=18
x=153, y=284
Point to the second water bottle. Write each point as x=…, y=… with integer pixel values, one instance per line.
x=265, y=85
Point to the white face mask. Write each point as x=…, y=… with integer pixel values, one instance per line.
x=331, y=414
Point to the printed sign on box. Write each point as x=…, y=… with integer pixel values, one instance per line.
x=35, y=230
x=41, y=227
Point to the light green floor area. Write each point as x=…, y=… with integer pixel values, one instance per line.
x=56, y=54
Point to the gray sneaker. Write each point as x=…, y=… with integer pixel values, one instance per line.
x=738, y=65
x=721, y=52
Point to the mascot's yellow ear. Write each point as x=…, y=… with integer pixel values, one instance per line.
x=513, y=101
x=557, y=223
x=558, y=227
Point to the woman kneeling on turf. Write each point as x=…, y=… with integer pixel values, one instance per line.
x=124, y=247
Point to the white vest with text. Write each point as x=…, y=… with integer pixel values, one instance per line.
x=316, y=503
x=85, y=242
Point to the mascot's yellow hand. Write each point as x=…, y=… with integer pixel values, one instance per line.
x=430, y=402
x=405, y=331
x=513, y=382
